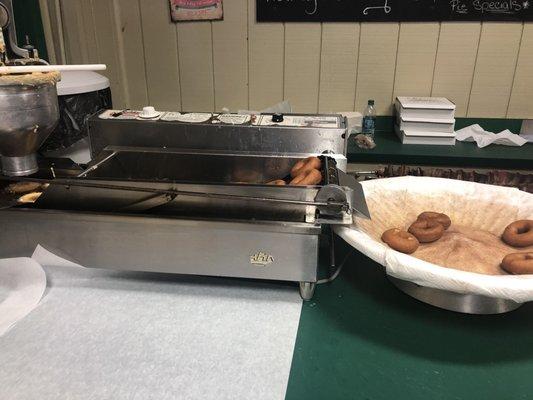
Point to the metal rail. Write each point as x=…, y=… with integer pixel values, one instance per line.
x=174, y=192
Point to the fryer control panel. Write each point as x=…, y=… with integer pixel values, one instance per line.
x=289, y=120
x=259, y=133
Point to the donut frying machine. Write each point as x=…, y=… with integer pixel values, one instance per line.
x=190, y=198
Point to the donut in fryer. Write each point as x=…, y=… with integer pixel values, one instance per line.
x=277, y=182
x=306, y=165
x=309, y=177
x=401, y=241
x=23, y=187
x=519, y=233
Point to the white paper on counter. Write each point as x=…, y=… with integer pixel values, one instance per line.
x=104, y=334
x=483, y=138
x=22, y=284
x=518, y=288
x=49, y=259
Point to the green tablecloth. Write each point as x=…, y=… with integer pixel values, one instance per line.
x=361, y=338
x=390, y=150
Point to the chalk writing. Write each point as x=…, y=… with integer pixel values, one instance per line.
x=495, y=7
x=311, y=6
x=385, y=8
x=393, y=10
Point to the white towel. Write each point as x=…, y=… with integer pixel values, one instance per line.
x=483, y=138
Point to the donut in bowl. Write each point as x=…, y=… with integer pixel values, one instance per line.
x=427, y=230
x=400, y=240
x=441, y=218
x=519, y=233
x=518, y=263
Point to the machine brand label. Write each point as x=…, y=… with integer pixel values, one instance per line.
x=261, y=259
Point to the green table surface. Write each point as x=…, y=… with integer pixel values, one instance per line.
x=361, y=338
x=389, y=149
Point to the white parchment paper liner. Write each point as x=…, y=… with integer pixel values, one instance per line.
x=458, y=199
x=22, y=284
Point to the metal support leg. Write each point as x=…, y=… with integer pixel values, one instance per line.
x=307, y=290
x=332, y=262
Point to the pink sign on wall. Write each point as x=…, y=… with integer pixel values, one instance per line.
x=192, y=10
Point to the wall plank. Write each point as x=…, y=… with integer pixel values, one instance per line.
x=417, y=49
x=53, y=30
x=377, y=63
x=73, y=35
x=266, y=61
x=196, y=66
x=48, y=30
x=302, y=66
x=521, y=103
x=83, y=39
x=230, y=56
x=456, y=59
x=338, y=70
x=161, y=55
x=104, y=22
x=494, y=71
x=89, y=33
x=128, y=19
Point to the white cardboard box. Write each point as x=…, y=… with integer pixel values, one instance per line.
x=425, y=125
x=425, y=107
x=427, y=138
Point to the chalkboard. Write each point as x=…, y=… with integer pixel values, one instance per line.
x=393, y=10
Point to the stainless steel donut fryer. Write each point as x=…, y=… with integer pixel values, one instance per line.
x=190, y=198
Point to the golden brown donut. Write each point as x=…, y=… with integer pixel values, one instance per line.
x=519, y=233
x=518, y=263
x=23, y=187
x=29, y=197
x=442, y=219
x=401, y=241
x=306, y=165
x=310, y=177
x=427, y=230
x=277, y=182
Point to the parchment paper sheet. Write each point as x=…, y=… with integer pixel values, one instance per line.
x=22, y=284
x=101, y=334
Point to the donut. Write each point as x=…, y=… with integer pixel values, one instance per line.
x=29, y=197
x=306, y=165
x=277, y=182
x=309, y=177
x=23, y=187
x=426, y=230
x=518, y=263
x=442, y=219
x=519, y=233
x=401, y=241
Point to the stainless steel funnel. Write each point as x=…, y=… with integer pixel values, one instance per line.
x=28, y=114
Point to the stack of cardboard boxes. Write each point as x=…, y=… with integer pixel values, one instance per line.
x=425, y=120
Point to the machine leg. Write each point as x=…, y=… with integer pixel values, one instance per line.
x=307, y=289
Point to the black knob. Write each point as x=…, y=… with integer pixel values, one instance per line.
x=277, y=117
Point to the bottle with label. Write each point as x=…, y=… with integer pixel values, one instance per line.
x=369, y=119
